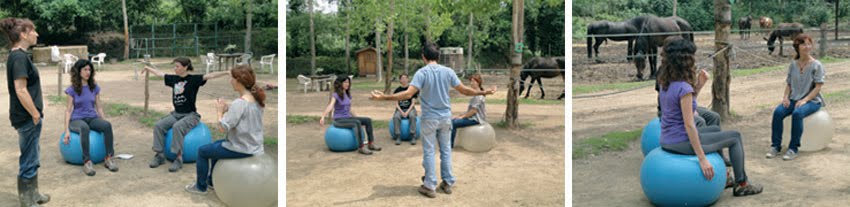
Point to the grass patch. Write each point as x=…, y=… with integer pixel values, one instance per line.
x=370, y=85
x=837, y=96
x=156, y=78
x=614, y=141
x=300, y=119
x=270, y=140
x=585, y=89
x=530, y=101
x=504, y=125
x=748, y=72
x=120, y=109
x=54, y=99
x=380, y=124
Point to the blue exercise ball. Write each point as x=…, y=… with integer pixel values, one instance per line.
x=405, y=129
x=671, y=179
x=197, y=137
x=650, y=138
x=73, y=151
x=341, y=139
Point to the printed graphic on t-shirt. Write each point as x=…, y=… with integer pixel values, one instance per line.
x=179, y=98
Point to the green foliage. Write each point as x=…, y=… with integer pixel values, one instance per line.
x=614, y=141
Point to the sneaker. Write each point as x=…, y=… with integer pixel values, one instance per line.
x=176, y=165
x=364, y=150
x=772, y=153
x=427, y=192
x=88, y=169
x=445, y=187
x=747, y=189
x=110, y=164
x=413, y=141
x=374, y=147
x=730, y=180
x=157, y=160
x=397, y=141
x=192, y=188
x=789, y=155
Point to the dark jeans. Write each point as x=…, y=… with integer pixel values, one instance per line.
x=460, y=123
x=797, y=115
x=714, y=140
x=355, y=123
x=211, y=153
x=706, y=117
x=28, y=136
x=83, y=126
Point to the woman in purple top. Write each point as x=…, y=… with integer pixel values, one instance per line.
x=85, y=113
x=344, y=117
x=678, y=130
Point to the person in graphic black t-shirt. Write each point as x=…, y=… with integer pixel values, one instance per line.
x=404, y=109
x=185, y=116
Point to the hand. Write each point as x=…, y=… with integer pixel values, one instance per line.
x=800, y=103
x=786, y=103
x=221, y=106
x=322, y=122
x=456, y=117
x=67, y=137
x=703, y=76
x=377, y=95
x=492, y=90
x=404, y=115
x=707, y=169
x=36, y=118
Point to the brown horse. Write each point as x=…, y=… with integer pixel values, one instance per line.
x=631, y=26
x=782, y=31
x=647, y=45
x=744, y=25
x=765, y=23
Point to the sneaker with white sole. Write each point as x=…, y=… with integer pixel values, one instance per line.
x=193, y=188
x=772, y=153
x=790, y=155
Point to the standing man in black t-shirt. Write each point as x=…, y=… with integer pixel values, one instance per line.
x=25, y=106
x=404, y=109
x=185, y=116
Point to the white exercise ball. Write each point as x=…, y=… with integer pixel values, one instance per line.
x=817, y=131
x=250, y=181
x=477, y=138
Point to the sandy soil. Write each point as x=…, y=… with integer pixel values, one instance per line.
x=525, y=169
x=813, y=179
x=135, y=184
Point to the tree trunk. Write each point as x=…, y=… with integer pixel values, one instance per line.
x=675, y=5
x=720, y=87
x=469, y=47
x=380, y=66
x=836, y=19
x=312, y=40
x=126, y=30
x=347, y=36
x=248, y=18
x=389, y=74
x=511, y=112
x=406, y=66
x=427, y=23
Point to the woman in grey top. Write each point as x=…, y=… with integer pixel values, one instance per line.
x=243, y=121
x=475, y=113
x=801, y=98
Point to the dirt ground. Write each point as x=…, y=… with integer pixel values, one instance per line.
x=135, y=184
x=749, y=53
x=525, y=169
x=813, y=179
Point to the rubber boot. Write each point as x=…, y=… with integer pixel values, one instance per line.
x=24, y=193
x=39, y=197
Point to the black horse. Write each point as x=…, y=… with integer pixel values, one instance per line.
x=790, y=30
x=647, y=44
x=532, y=69
x=631, y=26
x=744, y=25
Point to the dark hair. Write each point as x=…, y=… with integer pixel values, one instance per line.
x=799, y=40
x=338, y=87
x=245, y=76
x=185, y=62
x=402, y=75
x=13, y=27
x=431, y=51
x=677, y=63
x=77, y=77
x=477, y=78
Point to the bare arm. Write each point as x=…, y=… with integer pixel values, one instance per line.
x=814, y=92
x=154, y=71
x=466, y=90
x=691, y=128
x=68, y=110
x=328, y=110
x=469, y=113
x=26, y=100
x=377, y=95
x=412, y=104
x=216, y=75
x=99, y=107
x=787, y=94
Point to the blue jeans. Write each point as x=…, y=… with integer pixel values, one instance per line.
x=797, y=115
x=28, y=136
x=460, y=123
x=212, y=152
x=436, y=132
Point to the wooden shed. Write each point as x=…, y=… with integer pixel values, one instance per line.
x=367, y=61
x=452, y=57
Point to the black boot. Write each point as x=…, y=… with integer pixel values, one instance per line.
x=37, y=195
x=24, y=193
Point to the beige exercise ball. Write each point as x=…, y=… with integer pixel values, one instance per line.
x=250, y=181
x=817, y=131
x=477, y=138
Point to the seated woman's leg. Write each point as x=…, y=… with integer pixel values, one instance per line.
x=411, y=117
x=105, y=127
x=82, y=127
x=211, y=153
x=365, y=121
x=460, y=123
x=797, y=122
x=396, y=125
x=714, y=142
x=351, y=124
x=776, y=125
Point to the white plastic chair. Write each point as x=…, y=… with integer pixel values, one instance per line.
x=304, y=82
x=69, y=61
x=212, y=59
x=245, y=59
x=210, y=63
x=267, y=60
x=98, y=59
